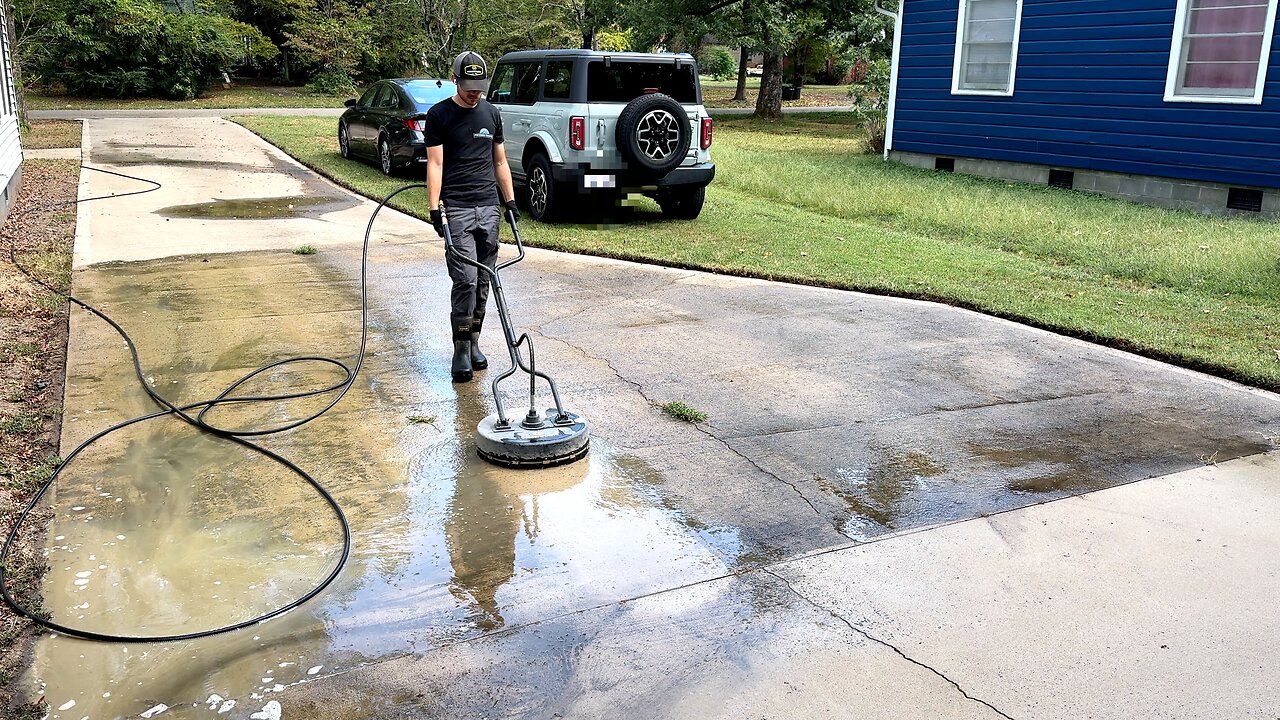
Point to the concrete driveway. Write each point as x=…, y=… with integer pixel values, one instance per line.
x=896, y=509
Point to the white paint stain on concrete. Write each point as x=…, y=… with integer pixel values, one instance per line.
x=155, y=711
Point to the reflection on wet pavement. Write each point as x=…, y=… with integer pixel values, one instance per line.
x=448, y=549
x=162, y=529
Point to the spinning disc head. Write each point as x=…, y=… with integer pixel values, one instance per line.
x=533, y=442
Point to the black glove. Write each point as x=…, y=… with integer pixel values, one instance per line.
x=437, y=221
x=513, y=211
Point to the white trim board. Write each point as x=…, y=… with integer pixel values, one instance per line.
x=893, y=77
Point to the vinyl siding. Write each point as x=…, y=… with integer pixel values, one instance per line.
x=1089, y=94
x=10, y=147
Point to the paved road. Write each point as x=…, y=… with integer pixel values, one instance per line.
x=72, y=114
x=896, y=509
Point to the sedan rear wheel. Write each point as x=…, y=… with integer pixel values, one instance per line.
x=344, y=140
x=384, y=156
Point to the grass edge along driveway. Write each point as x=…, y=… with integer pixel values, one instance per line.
x=799, y=201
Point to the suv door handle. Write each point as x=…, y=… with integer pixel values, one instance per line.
x=520, y=123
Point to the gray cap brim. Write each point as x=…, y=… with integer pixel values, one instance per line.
x=481, y=84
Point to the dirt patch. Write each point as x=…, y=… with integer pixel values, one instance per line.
x=33, y=341
x=48, y=134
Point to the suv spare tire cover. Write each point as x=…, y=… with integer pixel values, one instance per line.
x=653, y=134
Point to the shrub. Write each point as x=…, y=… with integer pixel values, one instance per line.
x=134, y=48
x=871, y=102
x=718, y=62
x=332, y=82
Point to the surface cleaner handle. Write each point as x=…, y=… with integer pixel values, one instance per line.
x=515, y=232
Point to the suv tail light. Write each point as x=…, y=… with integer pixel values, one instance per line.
x=419, y=125
x=578, y=133
x=706, y=133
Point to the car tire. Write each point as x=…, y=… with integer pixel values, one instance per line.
x=683, y=203
x=653, y=134
x=385, y=163
x=544, y=197
x=344, y=140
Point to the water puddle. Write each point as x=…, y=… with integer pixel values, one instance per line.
x=255, y=208
x=162, y=529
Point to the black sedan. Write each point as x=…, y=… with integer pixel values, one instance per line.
x=386, y=123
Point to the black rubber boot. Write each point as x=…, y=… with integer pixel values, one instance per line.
x=478, y=360
x=461, y=347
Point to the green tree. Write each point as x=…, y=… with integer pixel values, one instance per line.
x=333, y=41
x=135, y=48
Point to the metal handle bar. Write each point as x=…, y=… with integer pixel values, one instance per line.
x=513, y=343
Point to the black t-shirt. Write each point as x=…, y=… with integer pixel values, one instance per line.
x=468, y=136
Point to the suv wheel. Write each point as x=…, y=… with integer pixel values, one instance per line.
x=653, y=134
x=384, y=157
x=683, y=203
x=344, y=140
x=546, y=196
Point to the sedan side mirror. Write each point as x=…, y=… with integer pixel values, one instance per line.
x=350, y=103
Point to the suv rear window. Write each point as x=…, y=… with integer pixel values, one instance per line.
x=624, y=81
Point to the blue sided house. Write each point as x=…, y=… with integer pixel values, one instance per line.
x=1170, y=102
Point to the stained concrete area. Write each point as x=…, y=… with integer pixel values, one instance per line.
x=895, y=510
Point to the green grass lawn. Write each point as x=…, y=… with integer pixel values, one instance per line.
x=238, y=96
x=800, y=201
x=43, y=134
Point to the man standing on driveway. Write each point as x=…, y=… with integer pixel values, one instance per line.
x=467, y=169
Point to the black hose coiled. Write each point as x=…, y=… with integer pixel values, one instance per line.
x=184, y=412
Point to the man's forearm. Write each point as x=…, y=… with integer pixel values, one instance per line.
x=506, y=189
x=434, y=170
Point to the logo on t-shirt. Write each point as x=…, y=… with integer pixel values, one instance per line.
x=484, y=133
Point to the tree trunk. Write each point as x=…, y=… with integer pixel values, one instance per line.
x=588, y=40
x=769, y=103
x=741, y=93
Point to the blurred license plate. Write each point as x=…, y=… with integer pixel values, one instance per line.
x=599, y=181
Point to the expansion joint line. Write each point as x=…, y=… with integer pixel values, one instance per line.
x=886, y=644
x=640, y=390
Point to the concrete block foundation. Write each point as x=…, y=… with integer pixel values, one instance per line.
x=1202, y=197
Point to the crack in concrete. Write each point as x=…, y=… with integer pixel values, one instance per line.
x=640, y=390
x=886, y=644
x=1001, y=403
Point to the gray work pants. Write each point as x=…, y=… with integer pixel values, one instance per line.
x=475, y=234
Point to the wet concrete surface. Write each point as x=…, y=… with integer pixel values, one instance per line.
x=221, y=191
x=681, y=571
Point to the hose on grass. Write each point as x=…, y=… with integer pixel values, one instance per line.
x=194, y=414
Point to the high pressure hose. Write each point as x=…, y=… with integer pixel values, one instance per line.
x=183, y=412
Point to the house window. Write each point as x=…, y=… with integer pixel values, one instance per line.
x=1220, y=50
x=986, y=58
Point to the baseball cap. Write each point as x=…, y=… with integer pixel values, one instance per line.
x=471, y=71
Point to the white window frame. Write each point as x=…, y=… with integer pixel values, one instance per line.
x=962, y=17
x=1175, y=61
